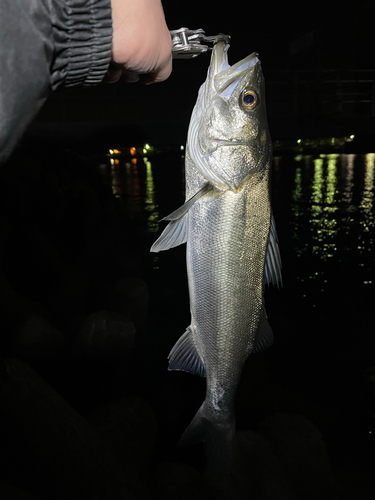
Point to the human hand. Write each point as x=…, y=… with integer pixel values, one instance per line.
x=142, y=45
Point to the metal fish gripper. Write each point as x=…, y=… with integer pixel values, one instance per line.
x=187, y=44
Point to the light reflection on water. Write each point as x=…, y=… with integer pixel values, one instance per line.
x=347, y=167
x=333, y=212
x=327, y=197
x=329, y=205
x=367, y=202
x=150, y=204
x=323, y=206
x=325, y=216
x=132, y=181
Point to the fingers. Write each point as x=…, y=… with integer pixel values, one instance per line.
x=159, y=76
x=113, y=75
x=142, y=45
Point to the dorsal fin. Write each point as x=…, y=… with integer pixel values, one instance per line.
x=272, y=266
x=264, y=336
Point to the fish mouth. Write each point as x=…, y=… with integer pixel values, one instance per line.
x=225, y=77
x=233, y=142
x=226, y=143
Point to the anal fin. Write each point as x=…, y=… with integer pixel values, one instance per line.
x=184, y=355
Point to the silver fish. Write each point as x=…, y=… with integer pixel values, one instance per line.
x=232, y=248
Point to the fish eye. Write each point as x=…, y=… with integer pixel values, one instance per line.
x=249, y=99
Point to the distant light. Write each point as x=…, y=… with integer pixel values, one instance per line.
x=299, y=141
x=111, y=151
x=133, y=151
x=182, y=148
x=147, y=146
x=116, y=152
x=351, y=136
x=144, y=150
x=134, y=161
x=112, y=161
x=117, y=161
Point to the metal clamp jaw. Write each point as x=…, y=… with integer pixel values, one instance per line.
x=186, y=43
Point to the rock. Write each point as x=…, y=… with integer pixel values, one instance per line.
x=301, y=450
x=129, y=296
x=16, y=310
x=257, y=472
x=37, y=338
x=172, y=481
x=16, y=197
x=129, y=423
x=136, y=292
x=105, y=334
x=5, y=231
x=9, y=491
x=51, y=450
x=285, y=460
x=56, y=438
x=42, y=272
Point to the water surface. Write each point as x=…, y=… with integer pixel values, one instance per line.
x=323, y=322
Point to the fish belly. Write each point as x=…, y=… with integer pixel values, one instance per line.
x=227, y=241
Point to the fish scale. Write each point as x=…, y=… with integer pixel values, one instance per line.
x=226, y=283
x=232, y=250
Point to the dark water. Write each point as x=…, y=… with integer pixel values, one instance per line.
x=324, y=207
x=322, y=363
x=71, y=243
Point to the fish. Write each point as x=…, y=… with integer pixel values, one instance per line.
x=232, y=249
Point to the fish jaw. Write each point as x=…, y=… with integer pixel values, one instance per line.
x=227, y=142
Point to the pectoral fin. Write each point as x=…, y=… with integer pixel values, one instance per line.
x=173, y=235
x=180, y=212
x=176, y=232
x=184, y=355
x=272, y=267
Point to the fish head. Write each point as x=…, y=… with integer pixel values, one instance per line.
x=228, y=135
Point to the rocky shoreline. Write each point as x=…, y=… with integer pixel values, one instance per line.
x=82, y=414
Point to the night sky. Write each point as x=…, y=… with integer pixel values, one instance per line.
x=342, y=38
x=269, y=27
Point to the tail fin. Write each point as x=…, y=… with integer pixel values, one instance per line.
x=217, y=435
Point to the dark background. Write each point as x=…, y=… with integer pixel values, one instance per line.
x=73, y=246
x=296, y=41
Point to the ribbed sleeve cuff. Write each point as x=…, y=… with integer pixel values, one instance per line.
x=82, y=31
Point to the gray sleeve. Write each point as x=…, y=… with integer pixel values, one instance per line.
x=44, y=44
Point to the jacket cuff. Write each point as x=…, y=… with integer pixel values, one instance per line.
x=82, y=31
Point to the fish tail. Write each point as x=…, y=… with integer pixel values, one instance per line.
x=217, y=435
